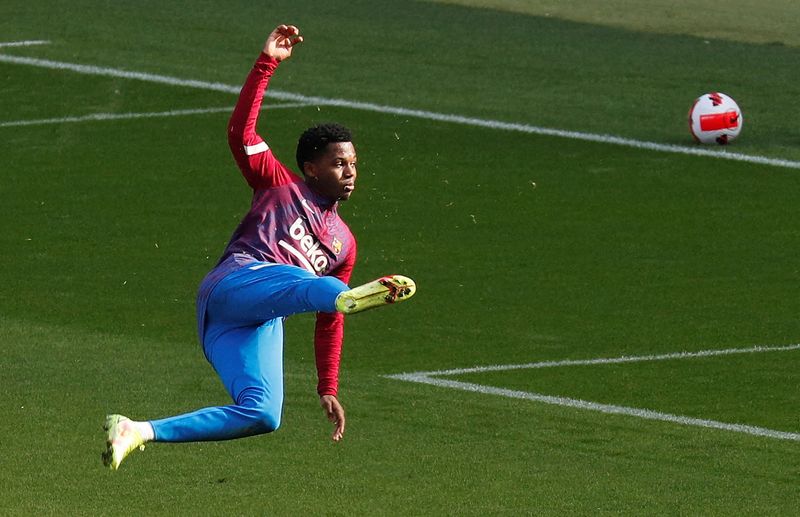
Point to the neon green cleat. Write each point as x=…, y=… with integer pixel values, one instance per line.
x=383, y=291
x=121, y=439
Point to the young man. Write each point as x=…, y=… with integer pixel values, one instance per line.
x=291, y=253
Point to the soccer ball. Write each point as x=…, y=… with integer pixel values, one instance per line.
x=715, y=117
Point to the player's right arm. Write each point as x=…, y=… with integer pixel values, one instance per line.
x=328, y=338
x=251, y=152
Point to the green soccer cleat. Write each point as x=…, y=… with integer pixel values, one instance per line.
x=121, y=439
x=383, y=291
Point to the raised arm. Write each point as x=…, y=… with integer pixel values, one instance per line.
x=250, y=151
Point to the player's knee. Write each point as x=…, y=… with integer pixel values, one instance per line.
x=267, y=419
x=332, y=284
x=324, y=291
x=264, y=413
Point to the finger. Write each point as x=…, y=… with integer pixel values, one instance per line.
x=288, y=43
x=340, y=421
x=288, y=31
x=332, y=413
x=338, y=433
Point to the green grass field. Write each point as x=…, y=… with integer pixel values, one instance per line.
x=526, y=248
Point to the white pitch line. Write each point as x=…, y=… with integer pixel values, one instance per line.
x=120, y=74
x=26, y=43
x=95, y=117
x=433, y=378
x=602, y=408
x=611, y=360
x=426, y=115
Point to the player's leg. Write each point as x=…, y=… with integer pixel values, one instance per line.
x=249, y=361
x=263, y=291
x=252, y=373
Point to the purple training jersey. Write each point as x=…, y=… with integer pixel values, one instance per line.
x=288, y=223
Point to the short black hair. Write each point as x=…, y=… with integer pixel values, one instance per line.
x=314, y=141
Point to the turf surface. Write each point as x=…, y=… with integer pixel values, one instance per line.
x=525, y=248
x=768, y=21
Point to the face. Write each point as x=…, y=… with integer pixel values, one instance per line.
x=333, y=175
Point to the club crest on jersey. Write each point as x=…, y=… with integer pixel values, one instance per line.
x=336, y=244
x=309, y=252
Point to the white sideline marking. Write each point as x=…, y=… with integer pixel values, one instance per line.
x=27, y=43
x=613, y=360
x=121, y=74
x=432, y=379
x=94, y=117
x=427, y=115
x=603, y=408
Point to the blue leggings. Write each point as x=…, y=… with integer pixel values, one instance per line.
x=244, y=343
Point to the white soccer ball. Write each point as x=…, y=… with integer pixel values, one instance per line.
x=715, y=117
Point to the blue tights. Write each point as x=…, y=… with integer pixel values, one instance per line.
x=244, y=344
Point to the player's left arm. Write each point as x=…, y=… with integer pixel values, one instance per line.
x=328, y=339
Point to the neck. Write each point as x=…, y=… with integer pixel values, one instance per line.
x=321, y=198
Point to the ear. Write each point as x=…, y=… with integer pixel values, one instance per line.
x=310, y=169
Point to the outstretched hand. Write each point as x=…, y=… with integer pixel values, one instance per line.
x=281, y=41
x=335, y=413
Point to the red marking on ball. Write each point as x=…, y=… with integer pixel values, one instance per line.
x=717, y=121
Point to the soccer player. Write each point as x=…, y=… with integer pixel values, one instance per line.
x=291, y=253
